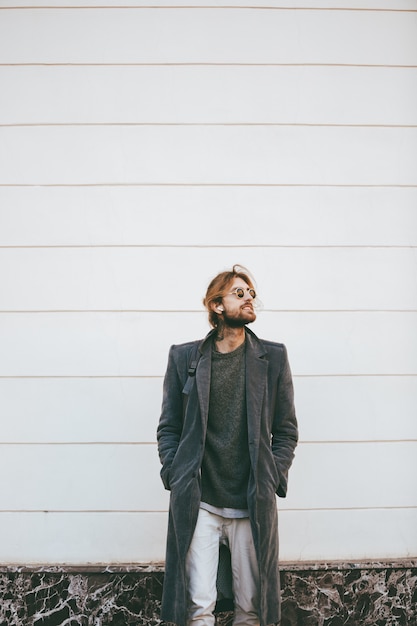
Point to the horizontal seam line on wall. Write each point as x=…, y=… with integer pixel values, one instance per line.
x=81, y=377
x=55, y=511
x=81, y=443
x=205, y=64
x=154, y=443
x=152, y=511
x=352, y=508
x=208, y=7
x=155, y=566
x=210, y=246
x=199, y=124
x=214, y=184
x=354, y=441
x=193, y=311
x=161, y=376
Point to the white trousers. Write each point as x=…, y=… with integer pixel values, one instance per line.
x=201, y=567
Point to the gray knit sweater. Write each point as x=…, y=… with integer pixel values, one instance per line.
x=226, y=464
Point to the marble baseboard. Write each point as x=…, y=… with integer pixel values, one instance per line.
x=313, y=594
x=371, y=597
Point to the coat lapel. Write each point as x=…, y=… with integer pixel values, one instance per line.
x=203, y=378
x=256, y=376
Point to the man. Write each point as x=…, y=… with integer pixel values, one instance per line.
x=226, y=440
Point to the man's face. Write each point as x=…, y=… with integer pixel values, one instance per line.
x=238, y=311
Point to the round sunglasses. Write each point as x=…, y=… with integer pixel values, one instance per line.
x=239, y=292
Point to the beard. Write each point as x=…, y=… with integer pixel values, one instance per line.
x=239, y=319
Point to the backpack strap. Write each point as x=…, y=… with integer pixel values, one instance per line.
x=192, y=367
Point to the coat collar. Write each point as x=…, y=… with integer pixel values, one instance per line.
x=252, y=341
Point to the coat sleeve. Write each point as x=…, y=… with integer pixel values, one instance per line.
x=170, y=423
x=284, y=427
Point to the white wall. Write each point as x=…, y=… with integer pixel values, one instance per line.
x=142, y=150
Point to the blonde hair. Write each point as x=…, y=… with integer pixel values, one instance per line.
x=219, y=287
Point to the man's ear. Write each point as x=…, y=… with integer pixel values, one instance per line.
x=217, y=307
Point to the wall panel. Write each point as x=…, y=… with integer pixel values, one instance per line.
x=47, y=410
x=352, y=475
x=226, y=94
x=126, y=477
x=81, y=478
x=370, y=533
x=81, y=538
x=205, y=36
x=119, y=278
x=208, y=155
x=352, y=408
x=110, y=344
x=261, y=216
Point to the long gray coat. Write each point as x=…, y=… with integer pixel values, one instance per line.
x=272, y=430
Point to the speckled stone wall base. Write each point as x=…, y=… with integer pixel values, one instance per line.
x=338, y=594
x=349, y=597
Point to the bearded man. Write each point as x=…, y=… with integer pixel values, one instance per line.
x=226, y=440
